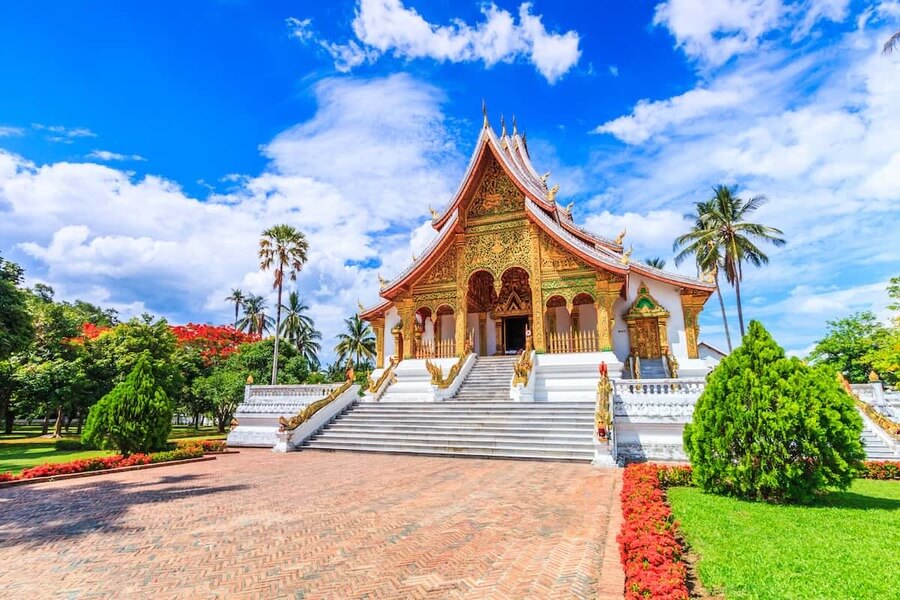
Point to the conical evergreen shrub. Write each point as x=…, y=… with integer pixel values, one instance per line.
x=136, y=416
x=771, y=428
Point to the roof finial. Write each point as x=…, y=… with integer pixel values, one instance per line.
x=484, y=112
x=551, y=195
x=434, y=214
x=515, y=130
x=502, y=126
x=621, y=237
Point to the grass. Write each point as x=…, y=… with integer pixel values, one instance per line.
x=844, y=546
x=27, y=448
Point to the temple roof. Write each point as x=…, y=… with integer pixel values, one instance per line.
x=511, y=151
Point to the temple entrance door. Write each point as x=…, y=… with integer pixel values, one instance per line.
x=646, y=338
x=514, y=333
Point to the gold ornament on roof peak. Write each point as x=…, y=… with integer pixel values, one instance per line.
x=626, y=256
x=360, y=305
x=484, y=113
x=434, y=214
x=621, y=237
x=544, y=177
x=551, y=195
x=502, y=126
x=568, y=208
x=382, y=281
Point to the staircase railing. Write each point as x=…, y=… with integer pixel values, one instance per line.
x=437, y=374
x=439, y=349
x=308, y=411
x=387, y=377
x=671, y=366
x=572, y=341
x=890, y=427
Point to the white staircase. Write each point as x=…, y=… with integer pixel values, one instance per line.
x=875, y=446
x=653, y=368
x=547, y=431
x=488, y=381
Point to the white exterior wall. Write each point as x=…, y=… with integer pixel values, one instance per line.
x=669, y=297
x=490, y=331
x=621, y=345
x=428, y=333
x=391, y=318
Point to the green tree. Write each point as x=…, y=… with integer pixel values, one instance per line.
x=721, y=225
x=255, y=359
x=223, y=391
x=236, y=296
x=136, y=416
x=891, y=43
x=356, y=344
x=281, y=248
x=15, y=321
x=848, y=344
x=656, y=263
x=771, y=428
x=298, y=329
x=255, y=319
x=53, y=385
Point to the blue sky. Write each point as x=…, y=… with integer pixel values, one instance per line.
x=144, y=146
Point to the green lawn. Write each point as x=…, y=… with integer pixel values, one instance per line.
x=845, y=546
x=26, y=448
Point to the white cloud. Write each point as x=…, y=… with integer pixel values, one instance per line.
x=713, y=31
x=614, y=70
x=6, y=131
x=387, y=26
x=138, y=244
x=114, y=156
x=63, y=135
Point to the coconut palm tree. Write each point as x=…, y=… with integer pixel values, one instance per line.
x=722, y=238
x=298, y=328
x=283, y=248
x=357, y=343
x=236, y=296
x=891, y=43
x=255, y=319
x=656, y=263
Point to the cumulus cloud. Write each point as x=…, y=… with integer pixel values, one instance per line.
x=387, y=26
x=6, y=131
x=142, y=243
x=114, y=156
x=713, y=31
x=61, y=134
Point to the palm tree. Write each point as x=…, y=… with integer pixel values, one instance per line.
x=236, y=296
x=298, y=328
x=255, y=319
x=357, y=343
x=892, y=43
x=281, y=247
x=656, y=263
x=721, y=238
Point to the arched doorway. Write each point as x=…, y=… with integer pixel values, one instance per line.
x=512, y=314
x=480, y=300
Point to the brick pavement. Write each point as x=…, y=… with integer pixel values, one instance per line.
x=317, y=525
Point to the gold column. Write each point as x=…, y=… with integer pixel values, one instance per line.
x=408, y=323
x=397, y=331
x=460, y=310
x=607, y=292
x=535, y=280
x=691, y=307
x=498, y=330
x=436, y=327
x=661, y=322
x=378, y=328
x=482, y=334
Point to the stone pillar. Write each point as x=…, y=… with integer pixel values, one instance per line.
x=436, y=323
x=408, y=323
x=575, y=317
x=691, y=307
x=397, y=331
x=607, y=292
x=378, y=328
x=419, y=333
x=498, y=330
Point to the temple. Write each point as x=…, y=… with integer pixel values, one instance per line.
x=508, y=259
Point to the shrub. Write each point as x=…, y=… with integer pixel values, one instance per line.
x=651, y=554
x=670, y=476
x=182, y=453
x=207, y=446
x=136, y=416
x=880, y=469
x=6, y=476
x=69, y=444
x=771, y=428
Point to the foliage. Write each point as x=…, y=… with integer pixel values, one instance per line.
x=255, y=359
x=208, y=446
x=236, y=296
x=771, y=428
x=281, y=248
x=69, y=444
x=356, y=344
x=298, y=329
x=105, y=463
x=837, y=548
x=847, y=345
x=180, y=453
x=255, y=320
x=673, y=475
x=136, y=416
x=223, y=390
x=213, y=343
x=15, y=323
x=656, y=262
x=722, y=237
x=651, y=553
x=880, y=469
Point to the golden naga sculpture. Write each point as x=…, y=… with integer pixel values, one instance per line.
x=437, y=375
x=603, y=413
x=626, y=256
x=621, y=237
x=308, y=411
x=889, y=426
x=673, y=365
x=360, y=306
x=374, y=386
x=522, y=368
x=568, y=208
x=551, y=195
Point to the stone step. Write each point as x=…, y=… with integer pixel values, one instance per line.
x=361, y=428
x=521, y=406
x=470, y=451
x=583, y=443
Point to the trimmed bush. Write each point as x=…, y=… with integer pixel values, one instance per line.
x=771, y=428
x=880, y=469
x=69, y=444
x=136, y=416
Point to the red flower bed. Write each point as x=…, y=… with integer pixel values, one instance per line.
x=880, y=469
x=650, y=553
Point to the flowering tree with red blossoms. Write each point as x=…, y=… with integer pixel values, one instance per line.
x=213, y=343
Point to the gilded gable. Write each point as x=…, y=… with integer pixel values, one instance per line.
x=496, y=193
x=555, y=258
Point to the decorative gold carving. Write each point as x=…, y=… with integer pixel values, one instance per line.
x=626, y=256
x=621, y=237
x=691, y=306
x=536, y=285
x=603, y=413
x=673, y=366
x=378, y=328
x=544, y=178
x=497, y=251
x=434, y=214
x=382, y=281
x=496, y=193
x=374, y=386
x=873, y=377
x=308, y=411
x=249, y=379
x=437, y=375
x=555, y=258
x=551, y=195
x=645, y=341
x=522, y=368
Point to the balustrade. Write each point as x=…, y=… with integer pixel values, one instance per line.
x=572, y=341
x=440, y=349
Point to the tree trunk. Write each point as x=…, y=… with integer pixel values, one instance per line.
x=80, y=421
x=10, y=420
x=45, y=426
x=737, y=294
x=277, y=337
x=196, y=421
x=221, y=422
x=237, y=306
x=57, y=429
x=724, y=316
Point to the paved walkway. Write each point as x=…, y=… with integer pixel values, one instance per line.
x=317, y=525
